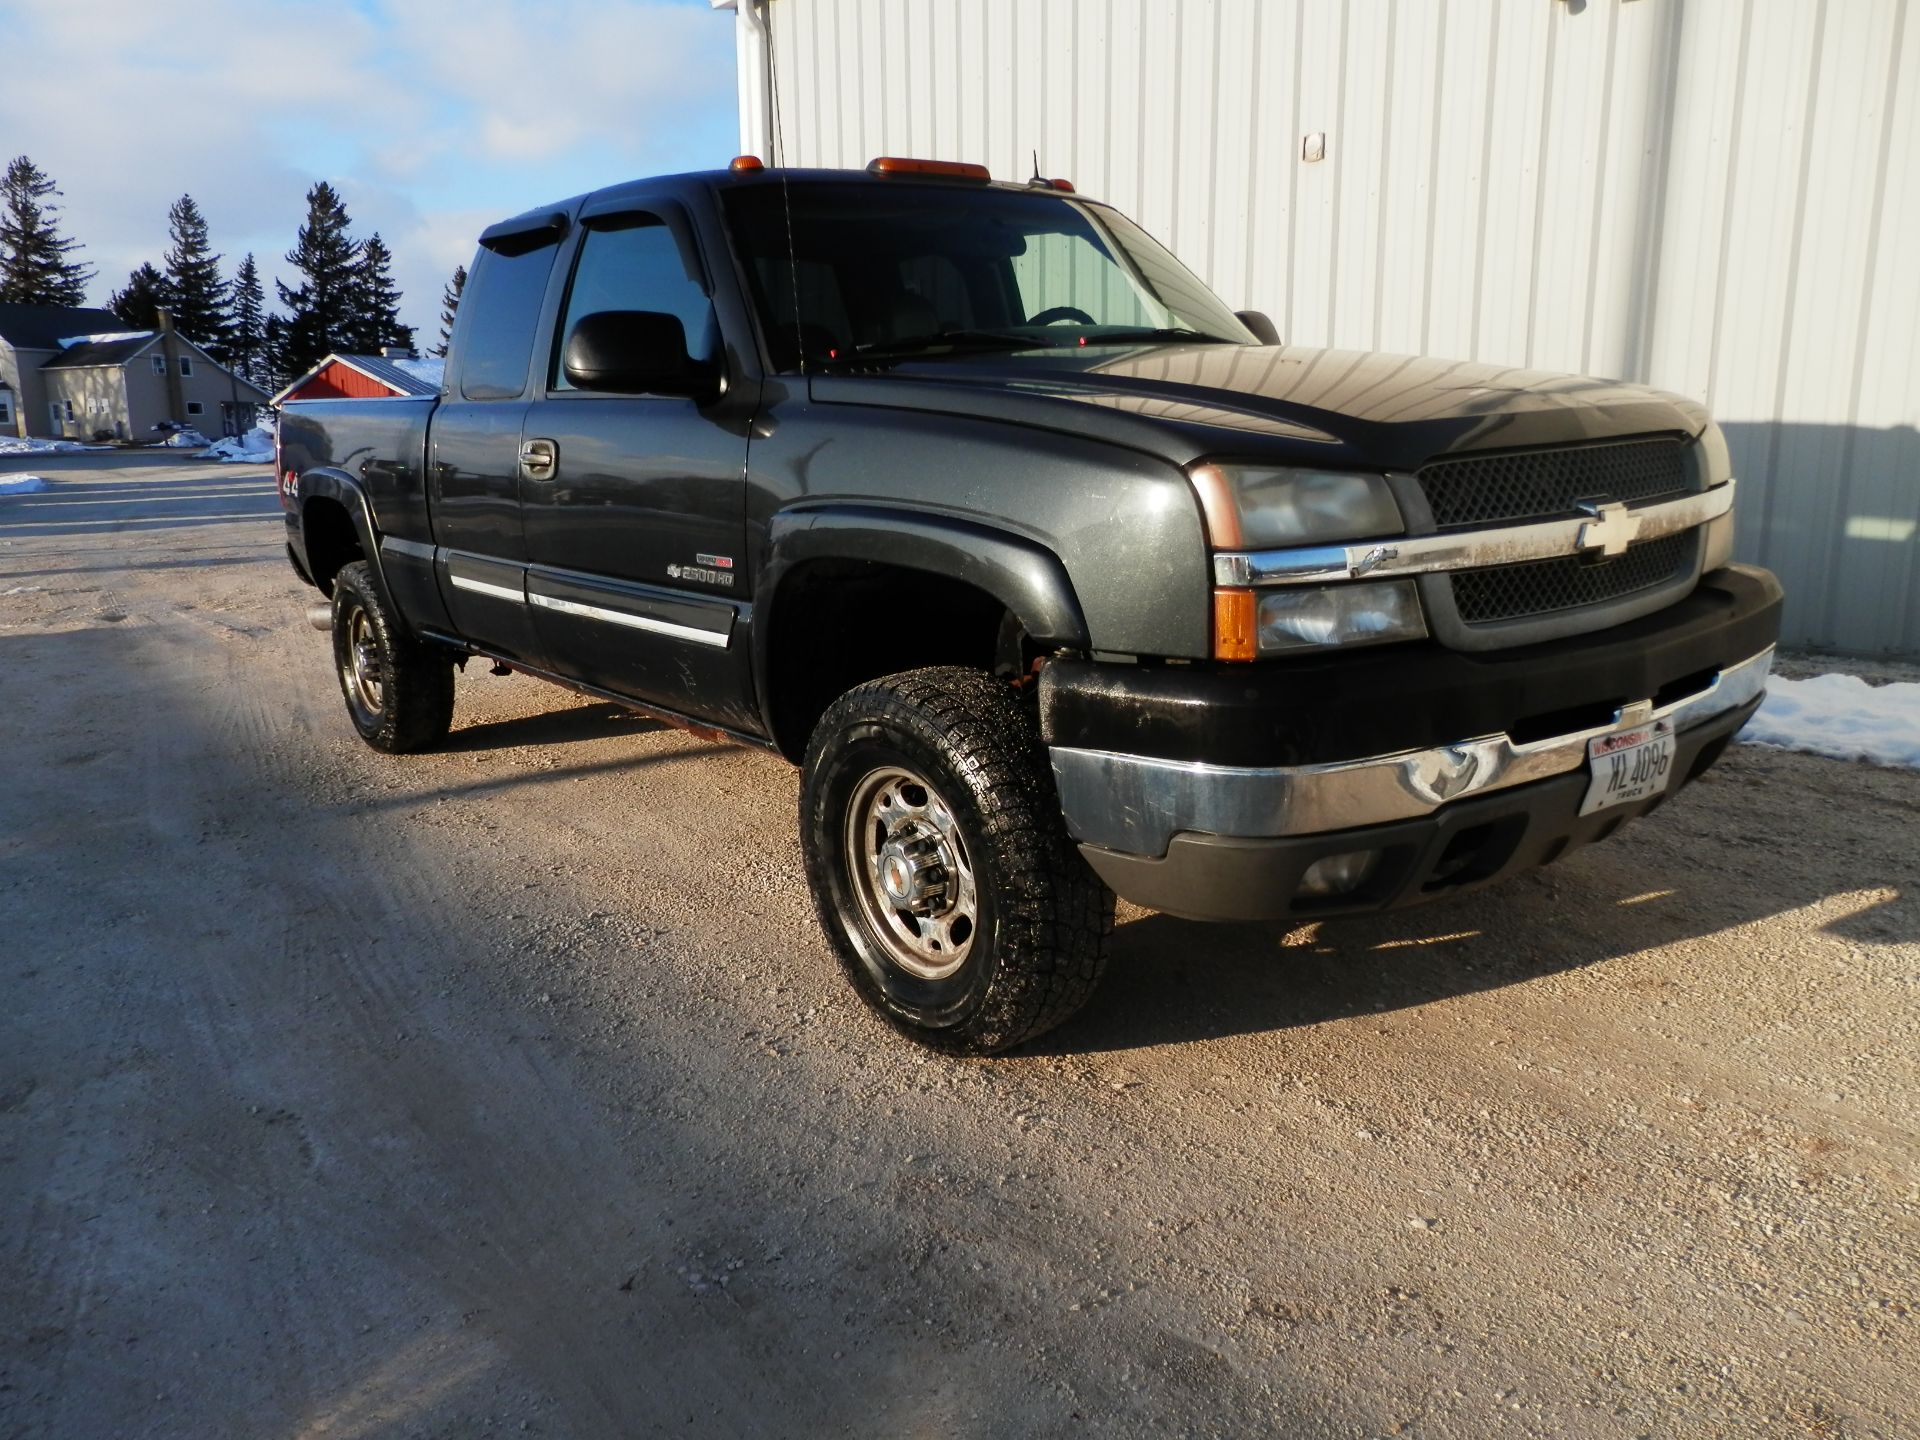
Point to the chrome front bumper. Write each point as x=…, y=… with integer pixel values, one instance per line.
x=1137, y=804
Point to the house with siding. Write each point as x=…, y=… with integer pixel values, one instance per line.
x=80, y=374
x=30, y=335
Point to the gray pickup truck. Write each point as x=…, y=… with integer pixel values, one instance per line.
x=1057, y=577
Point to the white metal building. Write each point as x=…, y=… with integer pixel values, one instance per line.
x=1718, y=197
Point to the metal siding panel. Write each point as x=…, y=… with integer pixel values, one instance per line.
x=1879, y=571
x=1627, y=183
x=1365, y=103
x=1409, y=158
x=1459, y=203
x=1573, y=143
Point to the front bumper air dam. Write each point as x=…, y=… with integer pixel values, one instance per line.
x=1462, y=846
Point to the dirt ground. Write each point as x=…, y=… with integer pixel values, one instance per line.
x=510, y=1089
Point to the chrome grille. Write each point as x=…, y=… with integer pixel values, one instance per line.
x=1568, y=582
x=1530, y=484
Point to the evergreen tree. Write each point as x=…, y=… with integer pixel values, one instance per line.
x=273, y=354
x=140, y=303
x=196, y=295
x=375, y=321
x=320, y=308
x=34, y=268
x=450, y=307
x=247, y=334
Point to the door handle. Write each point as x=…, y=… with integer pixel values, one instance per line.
x=538, y=459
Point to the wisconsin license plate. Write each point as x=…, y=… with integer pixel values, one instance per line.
x=1628, y=765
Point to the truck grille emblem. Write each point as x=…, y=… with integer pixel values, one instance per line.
x=1610, y=530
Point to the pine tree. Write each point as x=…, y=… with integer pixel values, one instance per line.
x=273, y=354
x=145, y=295
x=196, y=295
x=320, y=308
x=247, y=334
x=450, y=307
x=375, y=322
x=34, y=268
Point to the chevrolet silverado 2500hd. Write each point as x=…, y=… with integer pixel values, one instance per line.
x=1056, y=576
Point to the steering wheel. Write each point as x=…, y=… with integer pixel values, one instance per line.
x=1058, y=313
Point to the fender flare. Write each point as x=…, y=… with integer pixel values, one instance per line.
x=1021, y=574
x=337, y=485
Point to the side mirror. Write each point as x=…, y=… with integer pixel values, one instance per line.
x=636, y=352
x=1257, y=321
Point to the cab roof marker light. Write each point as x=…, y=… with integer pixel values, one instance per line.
x=745, y=162
x=953, y=169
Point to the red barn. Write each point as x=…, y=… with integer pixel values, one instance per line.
x=365, y=377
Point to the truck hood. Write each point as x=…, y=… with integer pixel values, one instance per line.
x=1280, y=404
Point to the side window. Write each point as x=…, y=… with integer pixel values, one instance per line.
x=631, y=262
x=498, y=311
x=159, y=364
x=186, y=366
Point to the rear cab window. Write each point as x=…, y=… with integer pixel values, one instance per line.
x=499, y=312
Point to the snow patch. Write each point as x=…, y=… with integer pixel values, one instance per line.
x=185, y=440
x=1841, y=716
x=253, y=448
x=429, y=368
x=72, y=340
x=22, y=485
x=36, y=445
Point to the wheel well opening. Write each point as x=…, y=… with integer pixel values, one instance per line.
x=331, y=540
x=839, y=623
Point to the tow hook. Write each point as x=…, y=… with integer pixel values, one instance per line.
x=320, y=616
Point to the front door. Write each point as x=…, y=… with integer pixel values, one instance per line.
x=636, y=580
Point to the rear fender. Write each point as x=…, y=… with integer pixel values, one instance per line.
x=326, y=483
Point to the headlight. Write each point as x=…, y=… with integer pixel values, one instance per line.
x=1716, y=465
x=1370, y=614
x=1254, y=507
x=1716, y=468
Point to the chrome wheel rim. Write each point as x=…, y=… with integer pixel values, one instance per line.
x=912, y=870
x=365, y=675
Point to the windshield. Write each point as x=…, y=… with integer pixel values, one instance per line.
x=892, y=270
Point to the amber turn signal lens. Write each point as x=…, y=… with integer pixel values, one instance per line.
x=954, y=169
x=1234, y=635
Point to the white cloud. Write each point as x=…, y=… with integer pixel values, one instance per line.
x=432, y=117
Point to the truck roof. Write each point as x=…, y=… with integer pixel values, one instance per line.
x=542, y=215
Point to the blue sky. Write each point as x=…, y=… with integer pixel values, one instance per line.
x=432, y=118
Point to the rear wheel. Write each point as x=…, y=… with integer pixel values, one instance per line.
x=399, y=691
x=940, y=864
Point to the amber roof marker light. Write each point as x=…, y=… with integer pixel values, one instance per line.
x=745, y=162
x=950, y=169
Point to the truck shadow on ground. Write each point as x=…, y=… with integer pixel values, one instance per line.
x=551, y=727
x=1714, y=860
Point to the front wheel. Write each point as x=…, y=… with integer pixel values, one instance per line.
x=941, y=866
x=399, y=691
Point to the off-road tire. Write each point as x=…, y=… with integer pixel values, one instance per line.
x=1045, y=919
x=413, y=707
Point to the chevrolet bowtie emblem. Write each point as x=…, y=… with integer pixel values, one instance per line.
x=1611, y=529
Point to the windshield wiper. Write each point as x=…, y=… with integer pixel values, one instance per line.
x=1168, y=332
x=940, y=343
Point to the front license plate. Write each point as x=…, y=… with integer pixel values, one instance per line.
x=1628, y=765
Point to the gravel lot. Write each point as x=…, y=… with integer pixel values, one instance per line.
x=510, y=1089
